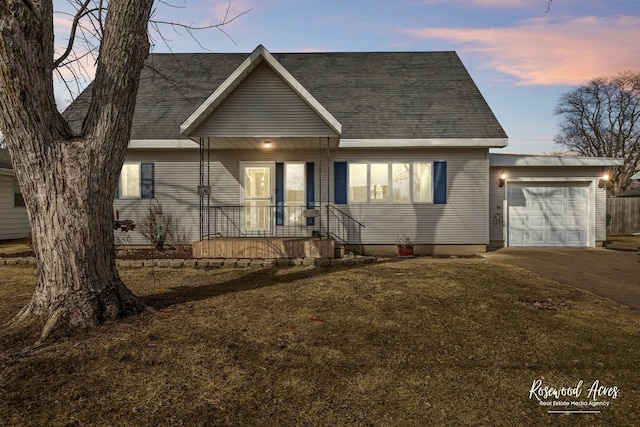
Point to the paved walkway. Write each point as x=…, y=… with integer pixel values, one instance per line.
x=611, y=274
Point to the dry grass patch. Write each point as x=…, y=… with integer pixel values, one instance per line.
x=10, y=247
x=625, y=241
x=416, y=342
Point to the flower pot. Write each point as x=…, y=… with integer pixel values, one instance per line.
x=405, y=250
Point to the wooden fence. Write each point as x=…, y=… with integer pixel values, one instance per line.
x=625, y=215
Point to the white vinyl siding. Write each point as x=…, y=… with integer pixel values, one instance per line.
x=264, y=105
x=14, y=221
x=462, y=220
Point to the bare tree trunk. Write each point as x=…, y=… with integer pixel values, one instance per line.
x=68, y=181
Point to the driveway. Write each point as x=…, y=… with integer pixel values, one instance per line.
x=611, y=274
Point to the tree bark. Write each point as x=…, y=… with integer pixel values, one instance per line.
x=68, y=181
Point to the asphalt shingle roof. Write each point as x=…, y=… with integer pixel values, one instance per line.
x=375, y=95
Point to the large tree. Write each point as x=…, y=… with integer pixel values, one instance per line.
x=68, y=180
x=602, y=119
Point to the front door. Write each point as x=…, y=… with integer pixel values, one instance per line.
x=257, y=198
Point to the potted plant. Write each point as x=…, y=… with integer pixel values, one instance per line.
x=405, y=246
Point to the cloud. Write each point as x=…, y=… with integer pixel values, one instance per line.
x=550, y=51
x=492, y=3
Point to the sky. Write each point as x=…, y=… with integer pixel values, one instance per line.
x=522, y=54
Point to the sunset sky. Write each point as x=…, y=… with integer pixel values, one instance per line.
x=522, y=54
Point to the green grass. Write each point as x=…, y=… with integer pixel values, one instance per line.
x=416, y=342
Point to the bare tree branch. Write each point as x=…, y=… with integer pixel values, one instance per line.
x=72, y=34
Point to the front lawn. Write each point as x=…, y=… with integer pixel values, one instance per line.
x=402, y=343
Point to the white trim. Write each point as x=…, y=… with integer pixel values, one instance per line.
x=163, y=143
x=524, y=180
x=506, y=160
x=423, y=142
x=233, y=81
x=636, y=176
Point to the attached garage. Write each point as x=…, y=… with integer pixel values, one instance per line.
x=548, y=215
x=547, y=200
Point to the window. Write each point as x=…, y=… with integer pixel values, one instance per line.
x=422, y=182
x=390, y=183
x=294, y=197
x=400, y=182
x=18, y=200
x=130, y=181
x=358, y=182
x=136, y=181
x=379, y=182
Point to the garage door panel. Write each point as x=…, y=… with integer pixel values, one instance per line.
x=575, y=237
x=548, y=215
x=556, y=221
x=537, y=221
x=575, y=206
x=554, y=206
x=557, y=192
x=574, y=222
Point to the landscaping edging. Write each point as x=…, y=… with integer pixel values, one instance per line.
x=220, y=262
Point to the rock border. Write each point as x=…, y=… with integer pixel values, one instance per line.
x=221, y=262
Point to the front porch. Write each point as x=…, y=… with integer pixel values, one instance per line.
x=272, y=232
x=265, y=248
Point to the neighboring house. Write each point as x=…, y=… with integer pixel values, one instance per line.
x=368, y=147
x=632, y=192
x=14, y=222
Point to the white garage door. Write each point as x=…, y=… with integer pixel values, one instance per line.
x=548, y=215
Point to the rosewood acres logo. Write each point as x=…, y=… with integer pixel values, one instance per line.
x=574, y=399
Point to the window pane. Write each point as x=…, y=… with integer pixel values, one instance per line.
x=257, y=182
x=422, y=182
x=294, y=191
x=357, y=183
x=379, y=185
x=130, y=181
x=400, y=177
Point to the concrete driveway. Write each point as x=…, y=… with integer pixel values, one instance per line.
x=611, y=274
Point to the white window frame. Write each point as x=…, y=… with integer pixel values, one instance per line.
x=139, y=196
x=389, y=199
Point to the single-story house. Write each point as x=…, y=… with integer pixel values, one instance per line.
x=365, y=149
x=14, y=222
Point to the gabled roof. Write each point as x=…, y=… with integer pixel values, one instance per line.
x=374, y=95
x=226, y=88
x=506, y=160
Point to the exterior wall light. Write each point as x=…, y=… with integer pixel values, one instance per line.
x=603, y=181
x=502, y=179
x=267, y=145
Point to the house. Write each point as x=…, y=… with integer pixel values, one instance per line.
x=364, y=148
x=14, y=221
